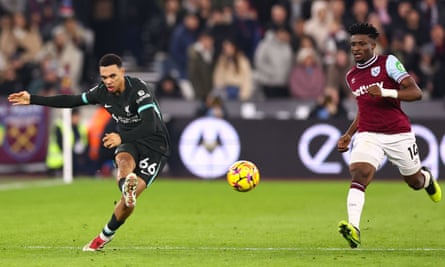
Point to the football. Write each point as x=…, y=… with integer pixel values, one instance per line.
x=243, y=176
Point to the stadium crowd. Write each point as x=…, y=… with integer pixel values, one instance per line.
x=236, y=49
x=207, y=49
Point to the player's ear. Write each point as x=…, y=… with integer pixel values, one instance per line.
x=122, y=70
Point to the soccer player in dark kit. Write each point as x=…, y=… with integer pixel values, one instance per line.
x=379, y=84
x=141, y=145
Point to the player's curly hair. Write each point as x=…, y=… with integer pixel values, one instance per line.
x=110, y=59
x=364, y=28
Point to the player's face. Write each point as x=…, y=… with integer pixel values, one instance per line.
x=362, y=47
x=113, y=78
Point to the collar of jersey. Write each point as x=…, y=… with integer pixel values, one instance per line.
x=367, y=63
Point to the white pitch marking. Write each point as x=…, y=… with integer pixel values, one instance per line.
x=29, y=184
x=238, y=249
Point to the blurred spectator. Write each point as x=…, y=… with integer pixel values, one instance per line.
x=8, y=45
x=233, y=73
x=68, y=57
x=414, y=26
x=338, y=9
x=337, y=37
x=273, y=62
x=200, y=65
x=297, y=34
x=157, y=32
x=47, y=81
x=268, y=15
x=19, y=45
x=279, y=18
x=168, y=87
x=399, y=17
x=426, y=70
x=318, y=25
x=79, y=143
x=183, y=36
x=83, y=39
x=359, y=12
x=204, y=13
x=307, y=79
x=27, y=39
x=432, y=12
x=246, y=27
x=135, y=15
x=336, y=72
x=106, y=25
x=438, y=46
x=328, y=106
x=13, y=6
x=9, y=82
x=221, y=27
x=43, y=14
x=212, y=106
x=381, y=9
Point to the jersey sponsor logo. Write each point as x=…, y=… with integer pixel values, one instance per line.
x=375, y=71
x=208, y=146
x=363, y=90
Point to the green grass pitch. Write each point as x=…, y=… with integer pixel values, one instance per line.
x=205, y=223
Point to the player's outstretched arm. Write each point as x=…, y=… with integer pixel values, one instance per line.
x=20, y=98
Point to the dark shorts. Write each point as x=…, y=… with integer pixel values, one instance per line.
x=149, y=163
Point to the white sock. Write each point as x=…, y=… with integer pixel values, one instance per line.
x=355, y=203
x=427, y=178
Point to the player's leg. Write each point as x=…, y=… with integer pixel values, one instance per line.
x=366, y=156
x=130, y=185
x=404, y=154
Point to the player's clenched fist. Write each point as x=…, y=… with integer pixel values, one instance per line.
x=20, y=98
x=343, y=143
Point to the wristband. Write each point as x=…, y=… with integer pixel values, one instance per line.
x=389, y=93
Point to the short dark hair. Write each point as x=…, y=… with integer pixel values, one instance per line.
x=364, y=28
x=110, y=59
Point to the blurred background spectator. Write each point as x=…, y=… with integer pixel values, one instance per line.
x=52, y=46
x=233, y=73
x=307, y=78
x=273, y=62
x=168, y=87
x=200, y=64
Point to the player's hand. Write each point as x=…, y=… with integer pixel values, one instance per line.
x=374, y=90
x=20, y=98
x=343, y=143
x=111, y=140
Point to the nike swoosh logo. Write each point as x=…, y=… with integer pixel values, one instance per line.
x=107, y=106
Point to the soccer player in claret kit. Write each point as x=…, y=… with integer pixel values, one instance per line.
x=142, y=144
x=379, y=83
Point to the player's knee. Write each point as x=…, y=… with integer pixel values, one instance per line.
x=125, y=161
x=361, y=174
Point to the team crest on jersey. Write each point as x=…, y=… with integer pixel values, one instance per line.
x=375, y=71
x=141, y=93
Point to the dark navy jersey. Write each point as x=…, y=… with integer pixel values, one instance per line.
x=136, y=112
